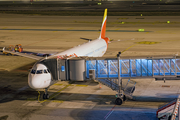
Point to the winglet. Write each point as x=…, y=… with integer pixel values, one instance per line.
x=103, y=27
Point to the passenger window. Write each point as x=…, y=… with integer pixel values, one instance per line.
x=39, y=71
x=45, y=71
x=33, y=71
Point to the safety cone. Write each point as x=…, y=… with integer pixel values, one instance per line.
x=100, y=85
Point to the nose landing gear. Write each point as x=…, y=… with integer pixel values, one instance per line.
x=46, y=95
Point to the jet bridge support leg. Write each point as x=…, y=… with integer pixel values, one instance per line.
x=120, y=96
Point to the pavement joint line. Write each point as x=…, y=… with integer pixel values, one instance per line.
x=53, y=95
x=69, y=29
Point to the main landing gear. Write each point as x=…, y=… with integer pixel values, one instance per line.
x=46, y=95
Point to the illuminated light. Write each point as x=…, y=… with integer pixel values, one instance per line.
x=99, y=3
x=141, y=15
x=122, y=22
x=168, y=21
x=141, y=30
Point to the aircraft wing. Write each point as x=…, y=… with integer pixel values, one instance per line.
x=23, y=54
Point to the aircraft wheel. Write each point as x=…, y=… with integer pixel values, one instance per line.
x=124, y=98
x=119, y=101
x=45, y=96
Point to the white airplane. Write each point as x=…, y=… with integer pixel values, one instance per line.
x=40, y=76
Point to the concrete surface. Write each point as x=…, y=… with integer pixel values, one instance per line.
x=83, y=100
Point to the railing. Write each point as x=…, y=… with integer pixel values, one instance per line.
x=128, y=86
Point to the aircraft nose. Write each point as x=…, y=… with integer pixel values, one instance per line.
x=34, y=82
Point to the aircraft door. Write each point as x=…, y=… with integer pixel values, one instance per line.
x=62, y=69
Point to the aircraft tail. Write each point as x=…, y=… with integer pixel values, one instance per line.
x=103, y=27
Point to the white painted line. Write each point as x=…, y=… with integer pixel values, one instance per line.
x=109, y=115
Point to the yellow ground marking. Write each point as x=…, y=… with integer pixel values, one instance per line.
x=58, y=101
x=147, y=42
x=53, y=95
x=82, y=85
x=58, y=84
x=4, y=28
x=129, y=48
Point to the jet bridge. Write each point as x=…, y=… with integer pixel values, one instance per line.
x=112, y=71
x=147, y=67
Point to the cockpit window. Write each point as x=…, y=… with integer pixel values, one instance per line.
x=45, y=71
x=48, y=70
x=33, y=71
x=39, y=71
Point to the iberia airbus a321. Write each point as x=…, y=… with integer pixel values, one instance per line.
x=40, y=76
